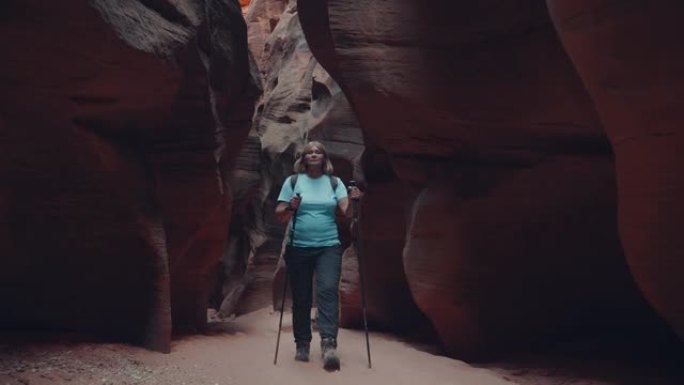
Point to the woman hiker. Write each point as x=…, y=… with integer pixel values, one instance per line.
x=312, y=195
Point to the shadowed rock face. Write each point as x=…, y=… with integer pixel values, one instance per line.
x=117, y=118
x=629, y=57
x=477, y=121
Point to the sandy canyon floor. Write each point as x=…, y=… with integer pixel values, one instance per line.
x=241, y=351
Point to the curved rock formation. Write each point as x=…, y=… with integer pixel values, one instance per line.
x=475, y=117
x=629, y=57
x=117, y=118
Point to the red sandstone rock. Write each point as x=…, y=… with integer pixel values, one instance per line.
x=477, y=106
x=262, y=18
x=113, y=212
x=629, y=57
x=521, y=254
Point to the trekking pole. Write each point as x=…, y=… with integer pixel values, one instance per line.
x=280, y=323
x=282, y=304
x=357, y=248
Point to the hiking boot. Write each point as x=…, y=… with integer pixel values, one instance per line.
x=329, y=353
x=302, y=352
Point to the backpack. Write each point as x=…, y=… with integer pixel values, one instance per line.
x=334, y=181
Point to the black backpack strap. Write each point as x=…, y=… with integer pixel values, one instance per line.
x=293, y=182
x=334, y=181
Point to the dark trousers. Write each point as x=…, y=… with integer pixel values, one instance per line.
x=326, y=262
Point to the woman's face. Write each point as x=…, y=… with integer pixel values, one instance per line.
x=314, y=157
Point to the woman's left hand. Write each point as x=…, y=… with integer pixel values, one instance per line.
x=354, y=193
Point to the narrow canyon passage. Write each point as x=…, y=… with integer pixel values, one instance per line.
x=519, y=163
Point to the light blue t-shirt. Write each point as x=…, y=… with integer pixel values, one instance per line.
x=315, y=222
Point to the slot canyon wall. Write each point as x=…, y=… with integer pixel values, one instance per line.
x=500, y=137
x=630, y=62
x=120, y=121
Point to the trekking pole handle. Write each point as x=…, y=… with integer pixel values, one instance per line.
x=352, y=183
x=289, y=204
x=354, y=206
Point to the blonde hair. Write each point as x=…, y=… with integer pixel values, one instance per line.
x=300, y=164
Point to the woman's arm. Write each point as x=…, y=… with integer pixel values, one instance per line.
x=283, y=214
x=344, y=207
